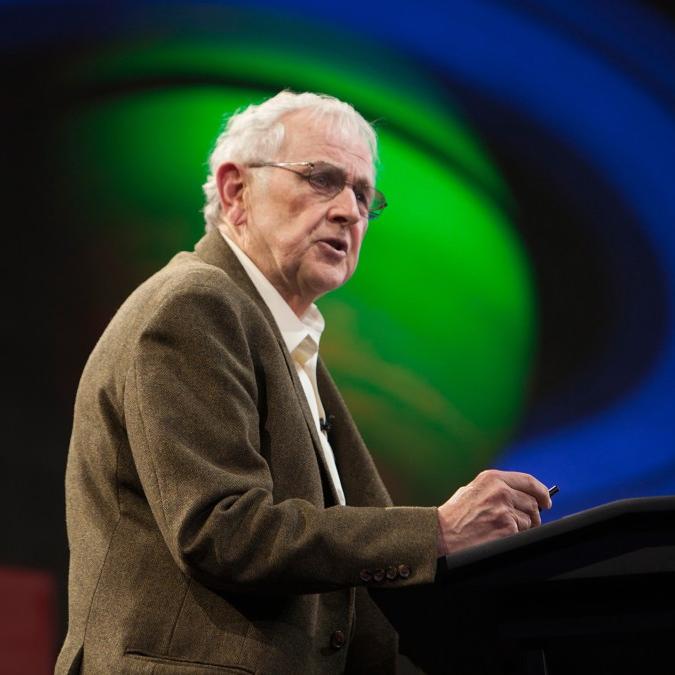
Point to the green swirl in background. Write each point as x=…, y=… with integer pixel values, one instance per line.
x=432, y=340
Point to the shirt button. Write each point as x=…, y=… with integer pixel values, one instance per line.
x=391, y=573
x=403, y=571
x=337, y=639
x=366, y=575
x=378, y=574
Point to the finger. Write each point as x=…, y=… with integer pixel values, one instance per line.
x=528, y=484
x=523, y=520
x=528, y=505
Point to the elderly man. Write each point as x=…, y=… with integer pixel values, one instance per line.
x=217, y=522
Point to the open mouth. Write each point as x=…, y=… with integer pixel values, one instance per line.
x=336, y=244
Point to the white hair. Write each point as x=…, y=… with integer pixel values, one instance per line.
x=255, y=134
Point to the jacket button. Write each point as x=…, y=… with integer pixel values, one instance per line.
x=391, y=573
x=378, y=574
x=403, y=571
x=337, y=639
x=366, y=575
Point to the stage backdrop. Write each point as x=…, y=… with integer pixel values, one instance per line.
x=513, y=305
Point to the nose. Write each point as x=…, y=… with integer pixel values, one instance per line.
x=344, y=209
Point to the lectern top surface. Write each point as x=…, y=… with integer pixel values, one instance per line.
x=582, y=538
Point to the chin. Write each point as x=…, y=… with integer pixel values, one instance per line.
x=325, y=283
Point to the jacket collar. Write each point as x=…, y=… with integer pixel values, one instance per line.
x=213, y=249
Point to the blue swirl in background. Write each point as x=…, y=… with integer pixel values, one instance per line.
x=594, y=81
x=599, y=78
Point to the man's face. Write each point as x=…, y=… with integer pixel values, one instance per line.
x=303, y=242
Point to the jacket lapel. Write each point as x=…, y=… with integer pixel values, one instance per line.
x=302, y=399
x=213, y=249
x=360, y=479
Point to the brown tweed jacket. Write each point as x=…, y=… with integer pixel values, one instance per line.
x=203, y=531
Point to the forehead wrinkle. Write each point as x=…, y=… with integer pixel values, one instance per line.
x=352, y=176
x=325, y=151
x=313, y=137
x=359, y=178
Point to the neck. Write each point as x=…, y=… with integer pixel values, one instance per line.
x=298, y=303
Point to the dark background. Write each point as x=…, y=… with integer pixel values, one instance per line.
x=574, y=102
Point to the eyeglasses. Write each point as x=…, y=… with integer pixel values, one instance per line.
x=329, y=180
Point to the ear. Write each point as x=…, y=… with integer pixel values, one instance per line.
x=230, y=182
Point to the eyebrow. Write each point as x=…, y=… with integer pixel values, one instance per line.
x=360, y=181
x=363, y=183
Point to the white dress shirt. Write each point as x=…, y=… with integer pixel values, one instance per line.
x=302, y=336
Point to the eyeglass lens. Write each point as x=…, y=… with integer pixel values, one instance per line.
x=331, y=180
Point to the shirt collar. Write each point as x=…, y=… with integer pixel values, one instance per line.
x=293, y=329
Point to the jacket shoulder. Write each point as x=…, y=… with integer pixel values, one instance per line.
x=187, y=283
x=186, y=292
x=186, y=271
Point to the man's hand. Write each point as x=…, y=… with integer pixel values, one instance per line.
x=493, y=505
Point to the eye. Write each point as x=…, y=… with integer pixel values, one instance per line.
x=363, y=194
x=326, y=179
x=320, y=179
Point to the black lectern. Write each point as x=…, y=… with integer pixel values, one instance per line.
x=590, y=593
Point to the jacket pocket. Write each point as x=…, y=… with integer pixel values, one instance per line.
x=178, y=665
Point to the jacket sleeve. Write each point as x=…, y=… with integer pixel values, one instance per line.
x=192, y=417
